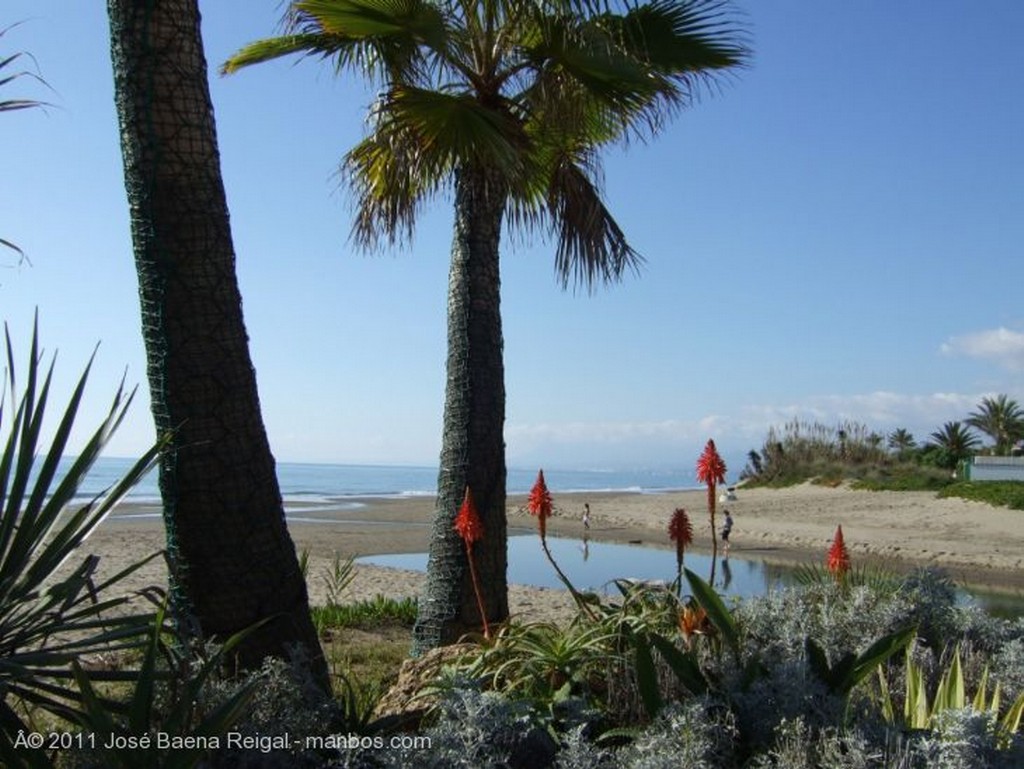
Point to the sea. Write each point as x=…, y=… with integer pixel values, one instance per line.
x=333, y=484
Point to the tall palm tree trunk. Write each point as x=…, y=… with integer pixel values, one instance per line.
x=233, y=561
x=473, y=443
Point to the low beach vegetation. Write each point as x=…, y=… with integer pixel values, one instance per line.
x=1000, y=493
x=367, y=612
x=832, y=674
x=849, y=452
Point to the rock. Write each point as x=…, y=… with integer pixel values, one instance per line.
x=405, y=703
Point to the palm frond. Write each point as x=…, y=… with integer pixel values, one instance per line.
x=412, y=19
x=573, y=54
x=418, y=139
x=9, y=105
x=268, y=49
x=592, y=248
x=679, y=38
x=641, y=66
x=381, y=38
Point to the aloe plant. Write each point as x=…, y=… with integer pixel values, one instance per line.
x=53, y=612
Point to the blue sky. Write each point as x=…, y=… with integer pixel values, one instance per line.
x=835, y=233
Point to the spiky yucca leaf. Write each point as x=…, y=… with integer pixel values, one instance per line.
x=184, y=718
x=49, y=615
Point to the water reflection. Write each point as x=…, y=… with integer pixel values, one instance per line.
x=726, y=575
x=595, y=566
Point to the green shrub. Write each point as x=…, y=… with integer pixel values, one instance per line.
x=999, y=493
x=365, y=613
x=903, y=477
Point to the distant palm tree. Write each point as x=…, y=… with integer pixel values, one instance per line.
x=955, y=442
x=507, y=102
x=1000, y=418
x=754, y=459
x=900, y=440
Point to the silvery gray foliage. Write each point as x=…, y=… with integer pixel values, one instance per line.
x=1008, y=668
x=476, y=730
x=786, y=717
x=798, y=747
x=787, y=693
x=932, y=596
x=968, y=739
x=840, y=619
x=699, y=733
x=287, y=701
x=578, y=751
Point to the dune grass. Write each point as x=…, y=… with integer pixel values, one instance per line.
x=999, y=493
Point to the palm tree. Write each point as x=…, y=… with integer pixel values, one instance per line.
x=901, y=441
x=233, y=561
x=955, y=442
x=508, y=102
x=1000, y=418
x=754, y=463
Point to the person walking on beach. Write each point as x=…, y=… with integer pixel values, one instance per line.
x=586, y=515
x=726, y=531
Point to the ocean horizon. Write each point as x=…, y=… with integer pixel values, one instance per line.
x=324, y=482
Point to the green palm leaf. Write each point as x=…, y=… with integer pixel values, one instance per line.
x=414, y=20
x=380, y=38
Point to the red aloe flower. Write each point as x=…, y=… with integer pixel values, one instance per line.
x=539, y=503
x=711, y=470
x=710, y=467
x=471, y=529
x=680, y=531
x=468, y=522
x=838, y=556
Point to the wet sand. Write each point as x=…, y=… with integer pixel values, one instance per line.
x=975, y=542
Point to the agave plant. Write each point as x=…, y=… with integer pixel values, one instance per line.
x=51, y=611
x=950, y=694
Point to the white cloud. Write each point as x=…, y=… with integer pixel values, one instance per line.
x=1001, y=345
x=677, y=441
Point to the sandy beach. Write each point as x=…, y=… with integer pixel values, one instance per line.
x=975, y=542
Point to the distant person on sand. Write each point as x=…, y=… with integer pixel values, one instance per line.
x=726, y=531
x=586, y=515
